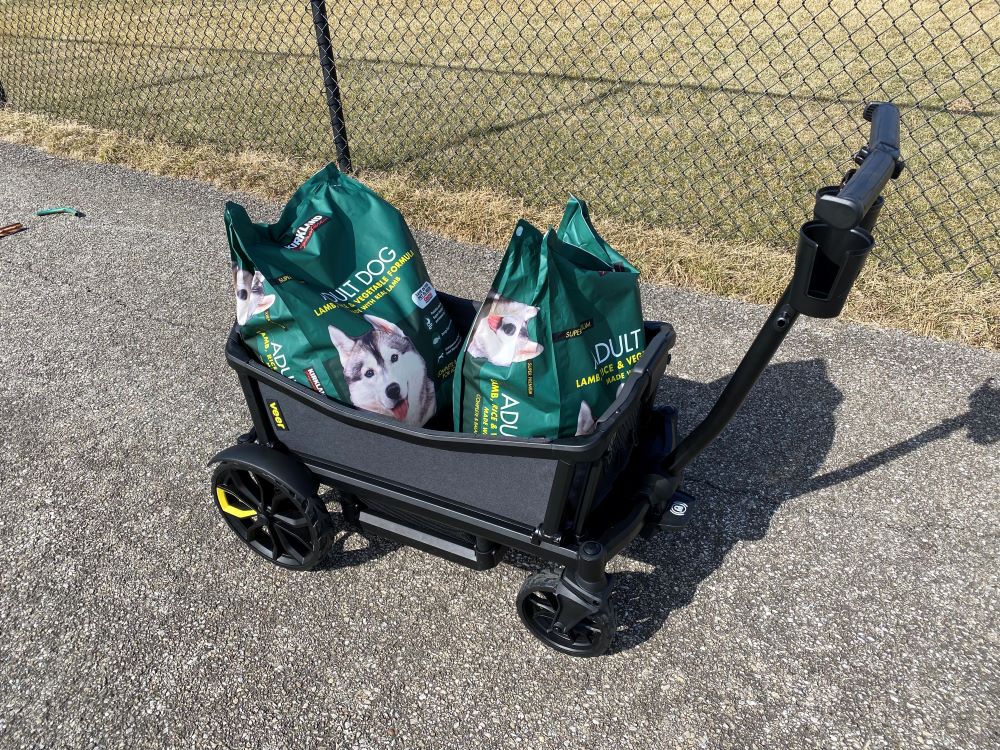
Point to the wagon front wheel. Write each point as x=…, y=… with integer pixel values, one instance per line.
x=278, y=523
x=544, y=602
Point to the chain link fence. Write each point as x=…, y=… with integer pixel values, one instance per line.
x=719, y=116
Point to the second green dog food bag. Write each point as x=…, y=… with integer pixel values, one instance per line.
x=558, y=334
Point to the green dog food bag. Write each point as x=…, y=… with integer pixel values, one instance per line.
x=556, y=337
x=336, y=297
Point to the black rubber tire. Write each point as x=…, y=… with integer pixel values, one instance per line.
x=275, y=521
x=536, y=606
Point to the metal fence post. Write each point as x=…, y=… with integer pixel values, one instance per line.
x=322, y=24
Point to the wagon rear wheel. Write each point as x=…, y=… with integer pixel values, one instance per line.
x=278, y=523
x=538, y=605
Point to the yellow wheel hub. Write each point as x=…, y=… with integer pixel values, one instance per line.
x=228, y=507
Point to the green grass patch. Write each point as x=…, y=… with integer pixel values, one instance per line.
x=718, y=117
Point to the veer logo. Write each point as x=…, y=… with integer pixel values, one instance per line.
x=304, y=233
x=279, y=418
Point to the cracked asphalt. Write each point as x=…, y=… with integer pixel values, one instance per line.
x=837, y=587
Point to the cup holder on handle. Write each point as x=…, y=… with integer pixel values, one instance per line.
x=834, y=246
x=827, y=264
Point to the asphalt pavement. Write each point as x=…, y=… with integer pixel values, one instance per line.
x=837, y=587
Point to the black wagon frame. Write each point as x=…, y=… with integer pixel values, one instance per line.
x=568, y=475
x=575, y=503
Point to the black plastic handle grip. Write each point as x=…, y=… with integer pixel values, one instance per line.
x=879, y=162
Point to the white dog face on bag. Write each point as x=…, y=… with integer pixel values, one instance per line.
x=501, y=335
x=250, y=297
x=385, y=373
x=585, y=422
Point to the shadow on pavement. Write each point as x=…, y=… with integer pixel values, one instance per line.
x=982, y=422
x=351, y=546
x=769, y=455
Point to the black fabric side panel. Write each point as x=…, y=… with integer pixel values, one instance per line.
x=509, y=487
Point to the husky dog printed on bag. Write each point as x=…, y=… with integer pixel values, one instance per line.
x=250, y=297
x=385, y=373
x=335, y=296
x=585, y=422
x=501, y=335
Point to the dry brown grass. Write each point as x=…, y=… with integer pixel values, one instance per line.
x=943, y=306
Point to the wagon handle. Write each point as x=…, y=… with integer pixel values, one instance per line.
x=878, y=162
x=832, y=251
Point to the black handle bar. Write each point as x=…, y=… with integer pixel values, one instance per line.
x=832, y=251
x=879, y=162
